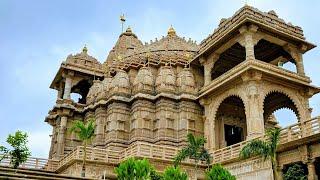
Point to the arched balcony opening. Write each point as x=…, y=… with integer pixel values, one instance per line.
x=79, y=91
x=279, y=110
x=228, y=59
x=230, y=122
x=274, y=54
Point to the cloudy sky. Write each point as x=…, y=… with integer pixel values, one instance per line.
x=37, y=35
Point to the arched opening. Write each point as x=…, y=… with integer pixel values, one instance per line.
x=230, y=123
x=228, y=59
x=81, y=89
x=274, y=54
x=279, y=110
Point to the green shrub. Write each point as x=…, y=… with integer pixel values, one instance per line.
x=295, y=172
x=174, y=173
x=136, y=170
x=217, y=172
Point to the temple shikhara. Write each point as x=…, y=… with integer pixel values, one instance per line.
x=146, y=97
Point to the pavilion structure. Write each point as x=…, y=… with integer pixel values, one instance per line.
x=146, y=98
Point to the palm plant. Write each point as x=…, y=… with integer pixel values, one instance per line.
x=218, y=172
x=85, y=133
x=265, y=148
x=194, y=150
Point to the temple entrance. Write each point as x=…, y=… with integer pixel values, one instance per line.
x=231, y=125
x=233, y=134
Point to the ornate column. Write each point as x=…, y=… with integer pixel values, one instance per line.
x=296, y=54
x=208, y=64
x=61, y=136
x=208, y=125
x=67, y=85
x=248, y=40
x=254, y=111
x=311, y=170
x=100, y=115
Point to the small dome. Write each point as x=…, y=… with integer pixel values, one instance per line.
x=93, y=91
x=171, y=31
x=105, y=88
x=144, y=81
x=186, y=82
x=166, y=80
x=120, y=83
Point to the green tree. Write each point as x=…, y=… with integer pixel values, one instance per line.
x=85, y=133
x=173, y=173
x=217, y=172
x=19, y=152
x=194, y=150
x=135, y=170
x=295, y=172
x=265, y=148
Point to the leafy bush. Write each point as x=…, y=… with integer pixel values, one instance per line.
x=174, y=173
x=217, y=172
x=136, y=170
x=295, y=172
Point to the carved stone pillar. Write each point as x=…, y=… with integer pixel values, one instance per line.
x=248, y=40
x=209, y=124
x=67, y=88
x=254, y=112
x=296, y=54
x=61, y=136
x=208, y=64
x=100, y=115
x=312, y=170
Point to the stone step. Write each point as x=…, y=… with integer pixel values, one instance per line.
x=10, y=173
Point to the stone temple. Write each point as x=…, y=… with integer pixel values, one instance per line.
x=145, y=99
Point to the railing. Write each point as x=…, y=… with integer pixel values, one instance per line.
x=93, y=154
x=160, y=152
x=34, y=163
x=288, y=134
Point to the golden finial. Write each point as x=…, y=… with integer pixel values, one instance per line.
x=171, y=31
x=122, y=19
x=85, y=49
x=129, y=30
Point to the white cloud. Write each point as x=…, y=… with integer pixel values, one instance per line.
x=39, y=143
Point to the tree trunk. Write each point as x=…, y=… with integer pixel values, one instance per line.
x=275, y=169
x=83, y=173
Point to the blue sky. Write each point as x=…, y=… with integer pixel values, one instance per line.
x=36, y=36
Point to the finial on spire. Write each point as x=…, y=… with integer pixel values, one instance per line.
x=129, y=30
x=85, y=49
x=171, y=31
x=123, y=20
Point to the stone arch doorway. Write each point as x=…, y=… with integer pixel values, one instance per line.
x=274, y=102
x=230, y=122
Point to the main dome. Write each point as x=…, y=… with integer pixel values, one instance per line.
x=170, y=49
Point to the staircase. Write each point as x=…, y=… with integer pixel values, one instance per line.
x=32, y=174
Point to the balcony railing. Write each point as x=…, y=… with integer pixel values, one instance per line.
x=34, y=163
x=160, y=152
x=288, y=134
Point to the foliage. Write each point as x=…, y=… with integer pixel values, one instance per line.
x=194, y=150
x=295, y=172
x=173, y=173
x=265, y=148
x=217, y=172
x=136, y=170
x=19, y=152
x=85, y=133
